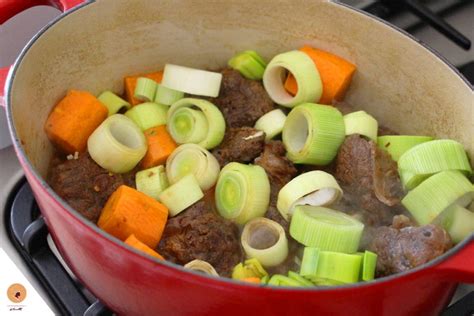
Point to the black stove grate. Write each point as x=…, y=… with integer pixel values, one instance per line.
x=28, y=233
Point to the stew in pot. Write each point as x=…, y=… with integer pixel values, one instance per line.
x=260, y=172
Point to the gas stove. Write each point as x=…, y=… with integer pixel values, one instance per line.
x=27, y=251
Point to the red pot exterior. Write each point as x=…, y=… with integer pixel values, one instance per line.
x=131, y=284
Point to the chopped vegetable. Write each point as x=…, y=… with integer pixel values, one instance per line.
x=128, y=211
x=167, y=96
x=250, y=268
x=181, y=194
x=426, y=159
x=117, y=144
x=137, y=244
x=249, y=63
x=369, y=262
x=201, y=266
x=313, y=133
x=316, y=188
x=73, y=120
x=160, y=146
x=145, y=89
x=397, y=145
x=265, y=240
x=336, y=75
x=305, y=72
x=330, y=266
x=457, y=221
x=130, y=84
x=113, y=102
x=193, y=159
x=152, y=181
x=271, y=123
x=295, y=276
x=242, y=192
x=361, y=123
x=204, y=126
x=326, y=229
x=438, y=193
x=148, y=115
x=192, y=81
x=281, y=280
x=251, y=280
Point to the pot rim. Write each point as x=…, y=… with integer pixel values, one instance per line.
x=224, y=281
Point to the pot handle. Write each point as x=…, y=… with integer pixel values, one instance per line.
x=460, y=266
x=9, y=8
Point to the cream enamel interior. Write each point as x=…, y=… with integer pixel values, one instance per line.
x=399, y=82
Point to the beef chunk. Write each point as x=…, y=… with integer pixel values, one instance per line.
x=85, y=185
x=369, y=179
x=241, y=101
x=241, y=144
x=279, y=169
x=400, y=247
x=199, y=233
x=360, y=163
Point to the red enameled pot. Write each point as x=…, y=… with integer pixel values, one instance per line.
x=404, y=84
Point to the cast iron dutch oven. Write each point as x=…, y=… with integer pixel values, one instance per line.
x=93, y=45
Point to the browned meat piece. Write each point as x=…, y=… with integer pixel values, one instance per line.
x=242, y=101
x=360, y=163
x=199, y=233
x=86, y=186
x=241, y=144
x=401, y=249
x=279, y=169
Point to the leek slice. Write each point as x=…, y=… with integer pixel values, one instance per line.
x=188, y=126
x=166, y=95
x=113, y=102
x=330, y=268
x=151, y=181
x=265, y=240
x=313, y=133
x=457, y=221
x=326, y=229
x=192, y=81
x=117, y=145
x=145, y=89
x=242, y=192
x=295, y=276
x=281, y=280
x=201, y=266
x=250, y=268
x=265, y=279
x=249, y=64
x=361, y=123
x=397, y=145
x=181, y=195
x=193, y=159
x=426, y=159
x=438, y=193
x=271, y=123
x=316, y=188
x=212, y=135
x=147, y=115
x=369, y=262
x=306, y=75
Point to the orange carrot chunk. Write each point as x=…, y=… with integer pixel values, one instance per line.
x=251, y=280
x=137, y=244
x=160, y=146
x=73, y=120
x=130, y=83
x=129, y=211
x=336, y=75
